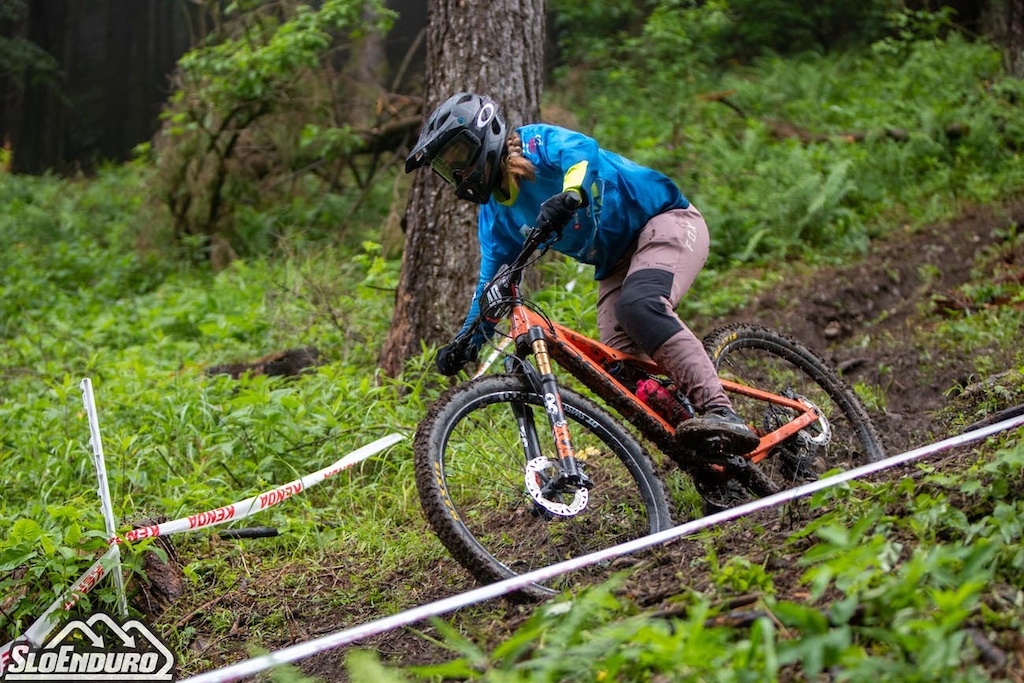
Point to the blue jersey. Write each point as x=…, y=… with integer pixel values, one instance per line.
x=622, y=196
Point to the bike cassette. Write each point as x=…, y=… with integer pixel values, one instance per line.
x=818, y=433
x=535, y=480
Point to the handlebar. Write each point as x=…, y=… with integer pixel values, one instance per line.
x=496, y=297
x=538, y=236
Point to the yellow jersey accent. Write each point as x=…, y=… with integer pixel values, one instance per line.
x=575, y=176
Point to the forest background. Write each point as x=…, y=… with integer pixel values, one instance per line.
x=264, y=214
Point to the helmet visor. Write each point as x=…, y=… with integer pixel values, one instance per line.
x=456, y=157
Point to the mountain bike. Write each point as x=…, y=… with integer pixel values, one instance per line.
x=516, y=470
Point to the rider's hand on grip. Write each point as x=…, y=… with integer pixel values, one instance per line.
x=454, y=355
x=557, y=210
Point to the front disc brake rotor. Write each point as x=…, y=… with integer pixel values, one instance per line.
x=535, y=479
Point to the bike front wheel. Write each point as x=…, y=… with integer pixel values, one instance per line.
x=471, y=476
x=765, y=359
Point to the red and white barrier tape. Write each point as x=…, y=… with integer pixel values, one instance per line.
x=250, y=506
x=291, y=654
x=42, y=626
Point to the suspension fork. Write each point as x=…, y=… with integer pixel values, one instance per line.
x=547, y=386
x=527, y=430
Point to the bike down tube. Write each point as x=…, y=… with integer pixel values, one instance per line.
x=583, y=349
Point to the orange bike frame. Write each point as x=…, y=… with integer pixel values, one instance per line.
x=588, y=360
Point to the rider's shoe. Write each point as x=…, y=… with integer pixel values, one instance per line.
x=720, y=430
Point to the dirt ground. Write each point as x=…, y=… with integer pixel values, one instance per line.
x=870, y=318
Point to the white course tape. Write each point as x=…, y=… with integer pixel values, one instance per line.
x=309, y=648
x=250, y=506
x=486, y=365
x=41, y=627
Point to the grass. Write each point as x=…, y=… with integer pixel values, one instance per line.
x=889, y=595
x=894, y=578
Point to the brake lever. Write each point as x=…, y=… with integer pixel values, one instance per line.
x=494, y=304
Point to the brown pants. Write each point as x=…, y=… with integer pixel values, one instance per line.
x=677, y=242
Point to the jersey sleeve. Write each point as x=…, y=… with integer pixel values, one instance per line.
x=574, y=154
x=496, y=249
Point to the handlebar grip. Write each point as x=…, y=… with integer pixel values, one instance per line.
x=571, y=200
x=463, y=342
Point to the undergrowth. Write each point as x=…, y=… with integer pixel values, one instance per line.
x=898, y=576
x=914, y=579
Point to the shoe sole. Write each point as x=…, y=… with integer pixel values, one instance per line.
x=722, y=440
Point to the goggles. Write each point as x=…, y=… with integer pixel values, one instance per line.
x=456, y=157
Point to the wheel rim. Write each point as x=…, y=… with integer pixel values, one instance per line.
x=481, y=475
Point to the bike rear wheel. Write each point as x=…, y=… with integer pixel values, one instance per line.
x=470, y=473
x=766, y=359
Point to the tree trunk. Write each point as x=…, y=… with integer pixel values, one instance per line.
x=107, y=84
x=493, y=48
x=1005, y=23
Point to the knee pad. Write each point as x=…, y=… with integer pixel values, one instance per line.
x=643, y=309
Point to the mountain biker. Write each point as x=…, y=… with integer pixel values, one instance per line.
x=644, y=238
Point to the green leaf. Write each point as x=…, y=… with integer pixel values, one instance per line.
x=12, y=558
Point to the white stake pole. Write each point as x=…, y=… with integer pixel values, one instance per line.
x=104, y=490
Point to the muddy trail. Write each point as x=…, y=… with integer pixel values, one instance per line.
x=870, y=318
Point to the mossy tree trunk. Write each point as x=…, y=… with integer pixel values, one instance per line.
x=1005, y=22
x=494, y=48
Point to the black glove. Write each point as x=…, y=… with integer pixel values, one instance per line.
x=458, y=352
x=557, y=210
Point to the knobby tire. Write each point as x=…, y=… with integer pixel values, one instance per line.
x=469, y=463
x=766, y=359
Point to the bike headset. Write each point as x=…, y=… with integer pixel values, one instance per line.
x=463, y=140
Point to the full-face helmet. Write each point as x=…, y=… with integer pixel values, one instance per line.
x=463, y=141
